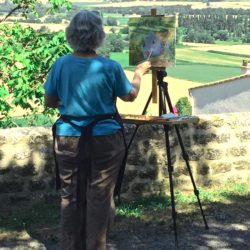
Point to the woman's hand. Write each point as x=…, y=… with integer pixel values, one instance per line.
x=142, y=68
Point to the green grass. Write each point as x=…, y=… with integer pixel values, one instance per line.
x=196, y=56
x=202, y=73
x=158, y=203
x=196, y=66
x=226, y=42
x=43, y=212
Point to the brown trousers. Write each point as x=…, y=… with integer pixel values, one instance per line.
x=84, y=222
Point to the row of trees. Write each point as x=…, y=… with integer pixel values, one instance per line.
x=207, y=28
x=170, y=10
x=201, y=25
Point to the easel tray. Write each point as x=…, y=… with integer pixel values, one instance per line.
x=144, y=119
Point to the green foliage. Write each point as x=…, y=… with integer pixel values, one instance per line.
x=159, y=203
x=198, y=37
x=124, y=30
x=138, y=207
x=247, y=38
x=25, y=59
x=113, y=43
x=27, y=6
x=222, y=35
x=111, y=21
x=183, y=106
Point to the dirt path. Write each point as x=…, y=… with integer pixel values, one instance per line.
x=229, y=229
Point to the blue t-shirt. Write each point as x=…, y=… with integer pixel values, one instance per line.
x=86, y=87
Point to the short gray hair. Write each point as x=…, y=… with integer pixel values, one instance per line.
x=85, y=31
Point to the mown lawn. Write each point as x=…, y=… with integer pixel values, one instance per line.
x=195, y=65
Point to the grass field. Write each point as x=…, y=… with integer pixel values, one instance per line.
x=196, y=65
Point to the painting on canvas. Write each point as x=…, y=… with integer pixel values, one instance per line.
x=152, y=38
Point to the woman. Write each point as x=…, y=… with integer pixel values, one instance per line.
x=89, y=144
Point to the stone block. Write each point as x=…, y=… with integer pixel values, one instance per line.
x=203, y=139
x=22, y=154
x=148, y=172
x=1, y=154
x=194, y=154
x=241, y=165
x=223, y=138
x=204, y=125
x=3, y=139
x=131, y=173
x=140, y=188
x=203, y=169
x=187, y=141
x=145, y=131
x=236, y=151
x=39, y=139
x=46, y=151
x=204, y=181
x=135, y=158
x=221, y=167
x=243, y=136
x=218, y=122
x=213, y=154
x=181, y=170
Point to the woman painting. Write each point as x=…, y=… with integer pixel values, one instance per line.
x=89, y=145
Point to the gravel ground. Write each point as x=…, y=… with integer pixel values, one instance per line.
x=229, y=228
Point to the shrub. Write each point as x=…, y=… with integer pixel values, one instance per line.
x=111, y=21
x=183, y=106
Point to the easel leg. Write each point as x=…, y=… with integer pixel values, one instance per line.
x=171, y=184
x=164, y=87
x=185, y=157
x=137, y=126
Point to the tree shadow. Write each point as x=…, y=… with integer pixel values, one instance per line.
x=229, y=226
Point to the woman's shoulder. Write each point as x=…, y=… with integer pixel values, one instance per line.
x=110, y=62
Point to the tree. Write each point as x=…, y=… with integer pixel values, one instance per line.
x=222, y=35
x=111, y=21
x=25, y=59
x=247, y=38
x=29, y=6
x=183, y=106
x=115, y=42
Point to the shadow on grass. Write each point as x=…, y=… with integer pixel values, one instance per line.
x=150, y=228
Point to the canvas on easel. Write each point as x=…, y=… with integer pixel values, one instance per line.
x=152, y=38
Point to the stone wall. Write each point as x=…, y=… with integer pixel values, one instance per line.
x=218, y=148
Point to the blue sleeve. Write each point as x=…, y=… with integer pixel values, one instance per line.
x=122, y=84
x=50, y=85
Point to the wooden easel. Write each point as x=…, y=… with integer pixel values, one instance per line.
x=154, y=70
x=160, y=90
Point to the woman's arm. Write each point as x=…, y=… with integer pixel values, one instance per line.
x=140, y=70
x=51, y=101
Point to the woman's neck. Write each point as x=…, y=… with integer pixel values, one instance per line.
x=86, y=53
